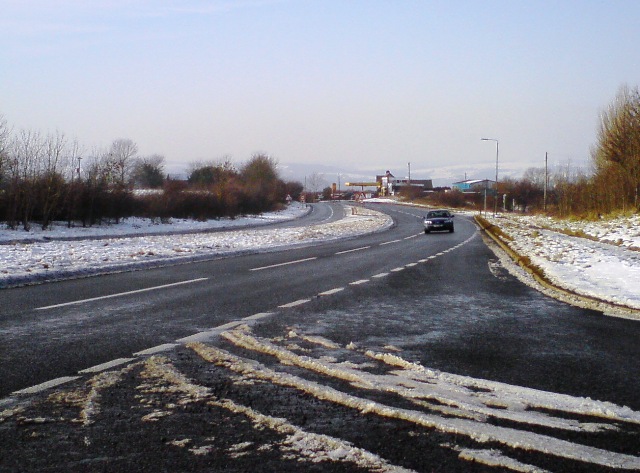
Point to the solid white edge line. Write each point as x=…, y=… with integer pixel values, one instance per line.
x=137, y=291
x=283, y=264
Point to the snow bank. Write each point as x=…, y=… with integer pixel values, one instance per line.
x=26, y=262
x=590, y=265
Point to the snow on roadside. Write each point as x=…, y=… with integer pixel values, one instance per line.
x=620, y=231
x=22, y=263
x=592, y=267
x=143, y=226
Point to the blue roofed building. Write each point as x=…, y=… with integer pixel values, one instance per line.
x=475, y=186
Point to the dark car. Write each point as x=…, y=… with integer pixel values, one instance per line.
x=438, y=220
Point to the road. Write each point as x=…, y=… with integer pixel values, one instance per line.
x=419, y=350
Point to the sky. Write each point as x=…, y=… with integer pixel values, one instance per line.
x=351, y=85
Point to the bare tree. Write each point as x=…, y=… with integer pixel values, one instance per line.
x=5, y=134
x=27, y=156
x=617, y=152
x=315, y=183
x=119, y=160
x=148, y=172
x=56, y=156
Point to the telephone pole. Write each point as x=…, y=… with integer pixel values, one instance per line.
x=546, y=181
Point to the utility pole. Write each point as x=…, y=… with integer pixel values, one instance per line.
x=546, y=181
x=495, y=199
x=409, y=164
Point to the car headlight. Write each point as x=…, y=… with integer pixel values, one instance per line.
x=427, y=222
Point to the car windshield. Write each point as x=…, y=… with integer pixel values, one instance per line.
x=438, y=214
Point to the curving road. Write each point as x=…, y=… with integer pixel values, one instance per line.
x=421, y=350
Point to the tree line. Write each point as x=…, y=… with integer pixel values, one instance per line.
x=612, y=184
x=46, y=178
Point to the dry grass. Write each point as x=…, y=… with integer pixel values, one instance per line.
x=493, y=229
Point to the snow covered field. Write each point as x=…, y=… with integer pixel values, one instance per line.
x=602, y=262
x=27, y=257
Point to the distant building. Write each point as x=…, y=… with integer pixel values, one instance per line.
x=475, y=186
x=389, y=185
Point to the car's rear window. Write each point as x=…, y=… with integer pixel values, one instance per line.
x=437, y=214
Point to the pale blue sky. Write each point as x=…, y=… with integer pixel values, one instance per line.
x=358, y=84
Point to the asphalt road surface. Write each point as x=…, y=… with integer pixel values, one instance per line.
x=396, y=350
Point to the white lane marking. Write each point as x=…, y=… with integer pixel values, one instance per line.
x=156, y=349
x=283, y=264
x=351, y=251
x=201, y=335
x=389, y=242
x=411, y=265
x=359, y=281
x=120, y=294
x=331, y=291
x=258, y=316
x=106, y=366
x=294, y=303
x=207, y=334
x=410, y=237
x=395, y=270
x=329, y=217
x=46, y=385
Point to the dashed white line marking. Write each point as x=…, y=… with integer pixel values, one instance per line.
x=359, y=281
x=156, y=349
x=258, y=316
x=410, y=237
x=331, y=291
x=389, y=242
x=283, y=264
x=294, y=303
x=120, y=294
x=395, y=270
x=106, y=366
x=351, y=251
x=46, y=385
x=410, y=265
x=207, y=334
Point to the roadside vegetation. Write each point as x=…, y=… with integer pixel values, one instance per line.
x=610, y=188
x=47, y=178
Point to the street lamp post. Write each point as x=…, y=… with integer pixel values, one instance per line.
x=495, y=203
